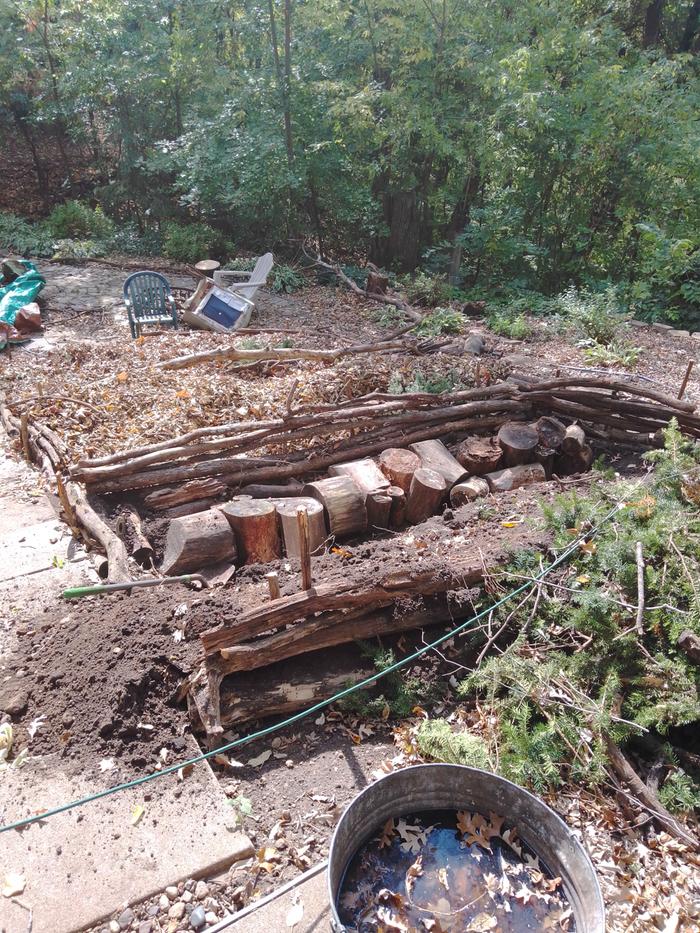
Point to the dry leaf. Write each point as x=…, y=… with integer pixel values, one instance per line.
x=183, y=393
x=482, y=923
x=122, y=377
x=136, y=814
x=388, y=833
x=414, y=871
x=260, y=759
x=13, y=884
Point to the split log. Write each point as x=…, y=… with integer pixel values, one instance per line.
x=435, y=456
x=518, y=442
x=190, y=491
x=130, y=531
x=397, y=515
x=196, y=541
x=427, y=490
x=254, y=524
x=364, y=473
x=468, y=490
x=550, y=431
x=273, y=585
x=399, y=465
x=690, y=643
x=378, y=506
x=479, y=455
x=343, y=502
x=513, y=477
x=287, y=517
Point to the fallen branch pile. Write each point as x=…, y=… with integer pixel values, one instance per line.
x=310, y=439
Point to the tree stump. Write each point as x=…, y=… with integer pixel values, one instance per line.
x=427, y=490
x=518, y=442
x=344, y=504
x=378, y=509
x=468, y=490
x=365, y=474
x=550, y=431
x=195, y=541
x=254, y=524
x=287, y=516
x=512, y=477
x=435, y=456
x=377, y=282
x=397, y=515
x=399, y=465
x=479, y=455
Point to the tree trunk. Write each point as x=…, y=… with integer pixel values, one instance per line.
x=652, y=23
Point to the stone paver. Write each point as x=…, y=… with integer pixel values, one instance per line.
x=81, y=288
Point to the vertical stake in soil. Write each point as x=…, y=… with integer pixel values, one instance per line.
x=24, y=435
x=686, y=378
x=273, y=584
x=304, y=551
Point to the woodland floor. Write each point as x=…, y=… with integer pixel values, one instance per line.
x=104, y=671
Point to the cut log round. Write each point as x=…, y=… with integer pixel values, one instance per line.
x=397, y=515
x=479, y=455
x=550, y=431
x=254, y=524
x=574, y=439
x=435, y=456
x=518, y=442
x=512, y=477
x=427, y=490
x=195, y=541
x=365, y=474
x=579, y=461
x=469, y=489
x=378, y=509
x=545, y=456
x=377, y=283
x=287, y=515
x=344, y=504
x=399, y=465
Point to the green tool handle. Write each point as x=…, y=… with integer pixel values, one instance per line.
x=76, y=592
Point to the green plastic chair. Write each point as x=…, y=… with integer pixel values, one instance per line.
x=148, y=300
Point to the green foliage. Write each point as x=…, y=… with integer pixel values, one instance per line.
x=509, y=324
x=680, y=793
x=401, y=690
x=436, y=740
x=426, y=290
x=69, y=250
x=192, y=241
x=74, y=220
x=595, y=315
x=615, y=353
x=286, y=279
x=435, y=384
x=130, y=240
x=23, y=238
x=440, y=321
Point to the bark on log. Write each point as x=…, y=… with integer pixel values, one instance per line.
x=545, y=456
x=550, y=431
x=364, y=473
x=304, y=549
x=397, y=515
x=513, y=477
x=377, y=283
x=399, y=465
x=188, y=492
x=427, y=491
x=518, y=442
x=344, y=504
x=130, y=531
x=254, y=524
x=468, y=490
x=378, y=506
x=196, y=541
x=479, y=455
x=287, y=516
x=188, y=508
x=435, y=456
x=690, y=643
x=270, y=491
x=581, y=462
x=574, y=439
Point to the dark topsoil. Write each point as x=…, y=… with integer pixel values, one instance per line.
x=104, y=671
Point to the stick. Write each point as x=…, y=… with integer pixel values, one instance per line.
x=640, y=588
x=305, y=554
x=273, y=584
x=24, y=435
x=686, y=378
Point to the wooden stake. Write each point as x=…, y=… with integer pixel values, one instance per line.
x=273, y=584
x=24, y=436
x=686, y=378
x=305, y=553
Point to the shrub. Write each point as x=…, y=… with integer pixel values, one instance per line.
x=510, y=325
x=437, y=740
x=286, y=279
x=596, y=315
x=133, y=242
x=427, y=290
x=440, y=321
x=192, y=242
x=78, y=249
x=77, y=221
x=18, y=235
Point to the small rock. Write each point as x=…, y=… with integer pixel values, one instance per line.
x=198, y=918
x=201, y=890
x=177, y=911
x=114, y=927
x=171, y=891
x=474, y=344
x=145, y=927
x=125, y=918
x=153, y=910
x=16, y=702
x=190, y=884
x=163, y=902
x=211, y=917
x=187, y=896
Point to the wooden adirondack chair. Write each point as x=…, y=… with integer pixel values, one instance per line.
x=148, y=300
x=246, y=284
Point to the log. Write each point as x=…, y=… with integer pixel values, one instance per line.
x=574, y=439
x=117, y=558
x=580, y=462
x=254, y=524
x=550, y=431
x=195, y=541
x=289, y=530
x=364, y=473
x=270, y=491
x=427, y=490
x=188, y=508
x=191, y=491
x=513, y=477
x=343, y=502
x=130, y=531
x=690, y=643
x=468, y=490
x=304, y=551
x=435, y=456
x=479, y=455
x=397, y=515
x=273, y=584
x=378, y=506
x=518, y=442
x=399, y=465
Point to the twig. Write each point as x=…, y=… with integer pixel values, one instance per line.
x=640, y=587
x=52, y=398
x=686, y=378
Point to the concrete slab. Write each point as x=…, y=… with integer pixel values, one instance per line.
x=273, y=915
x=26, y=549
x=83, y=865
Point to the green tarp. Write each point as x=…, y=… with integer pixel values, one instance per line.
x=19, y=293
